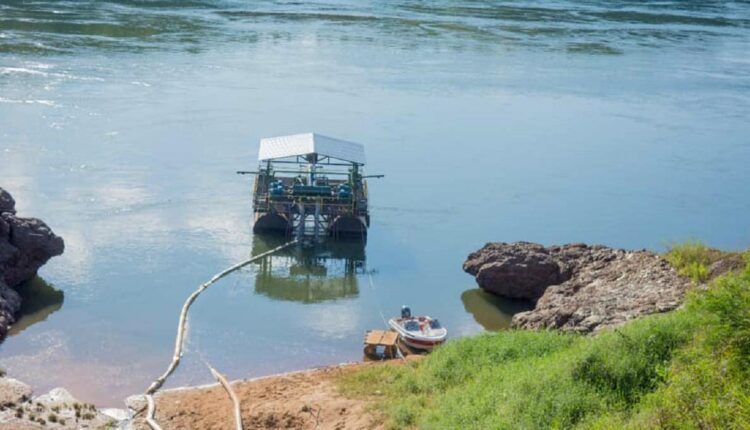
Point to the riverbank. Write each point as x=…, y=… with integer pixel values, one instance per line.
x=683, y=369
x=635, y=372
x=684, y=366
x=307, y=399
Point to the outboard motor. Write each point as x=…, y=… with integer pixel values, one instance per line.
x=405, y=312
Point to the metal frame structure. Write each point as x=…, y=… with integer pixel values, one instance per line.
x=310, y=187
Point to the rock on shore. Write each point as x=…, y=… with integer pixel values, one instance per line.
x=25, y=245
x=577, y=287
x=56, y=409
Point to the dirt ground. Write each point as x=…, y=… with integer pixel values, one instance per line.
x=302, y=400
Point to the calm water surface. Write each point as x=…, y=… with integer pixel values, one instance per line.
x=122, y=123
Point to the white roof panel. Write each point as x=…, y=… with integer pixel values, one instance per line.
x=310, y=143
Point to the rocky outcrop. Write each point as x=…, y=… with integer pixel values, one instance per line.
x=13, y=391
x=728, y=262
x=520, y=270
x=25, y=245
x=577, y=287
x=56, y=409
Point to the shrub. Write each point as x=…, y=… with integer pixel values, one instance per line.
x=698, y=272
x=693, y=258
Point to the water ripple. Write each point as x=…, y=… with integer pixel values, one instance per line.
x=54, y=27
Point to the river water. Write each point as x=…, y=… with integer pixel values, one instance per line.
x=122, y=124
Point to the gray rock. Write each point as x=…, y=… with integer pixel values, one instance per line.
x=730, y=263
x=136, y=402
x=578, y=287
x=13, y=391
x=75, y=414
x=56, y=397
x=25, y=245
x=115, y=413
x=7, y=204
x=28, y=245
x=519, y=270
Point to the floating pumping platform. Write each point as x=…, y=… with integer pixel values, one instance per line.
x=310, y=187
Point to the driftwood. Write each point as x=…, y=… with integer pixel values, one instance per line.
x=181, y=328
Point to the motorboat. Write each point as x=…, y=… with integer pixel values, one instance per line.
x=418, y=332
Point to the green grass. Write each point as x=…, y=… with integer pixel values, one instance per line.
x=693, y=258
x=684, y=370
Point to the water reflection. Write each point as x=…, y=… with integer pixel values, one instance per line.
x=39, y=300
x=309, y=274
x=490, y=311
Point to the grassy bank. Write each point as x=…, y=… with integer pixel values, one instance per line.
x=683, y=370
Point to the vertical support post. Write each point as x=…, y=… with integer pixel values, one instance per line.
x=313, y=166
x=268, y=175
x=355, y=187
x=301, y=224
x=317, y=220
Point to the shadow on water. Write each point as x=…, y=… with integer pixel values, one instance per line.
x=39, y=300
x=490, y=311
x=309, y=274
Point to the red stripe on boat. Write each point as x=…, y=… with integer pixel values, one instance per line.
x=423, y=342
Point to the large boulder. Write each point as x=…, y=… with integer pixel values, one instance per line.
x=28, y=245
x=577, y=287
x=25, y=245
x=520, y=270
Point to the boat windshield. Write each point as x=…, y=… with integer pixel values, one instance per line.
x=435, y=324
x=411, y=325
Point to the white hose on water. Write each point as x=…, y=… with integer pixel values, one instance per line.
x=181, y=329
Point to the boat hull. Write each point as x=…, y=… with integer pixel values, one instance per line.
x=421, y=344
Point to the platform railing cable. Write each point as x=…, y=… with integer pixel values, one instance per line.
x=382, y=317
x=182, y=327
x=377, y=301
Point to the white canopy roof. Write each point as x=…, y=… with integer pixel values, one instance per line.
x=310, y=143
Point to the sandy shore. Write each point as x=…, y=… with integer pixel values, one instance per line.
x=299, y=400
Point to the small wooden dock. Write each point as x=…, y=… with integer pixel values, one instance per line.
x=387, y=340
x=386, y=344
